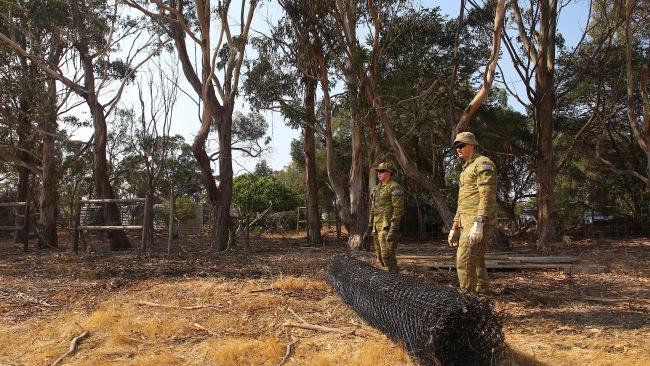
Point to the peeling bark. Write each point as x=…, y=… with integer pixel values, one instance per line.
x=313, y=218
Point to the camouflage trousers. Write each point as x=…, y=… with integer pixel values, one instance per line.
x=385, y=250
x=470, y=259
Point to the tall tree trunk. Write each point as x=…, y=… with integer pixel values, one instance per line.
x=147, y=219
x=544, y=105
x=112, y=216
x=352, y=208
x=545, y=172
x=359, y=196
x=222, y=208
x=647, y=156
x=49, y=195
x=422, y=228
x=313, y=218
x=22, y=194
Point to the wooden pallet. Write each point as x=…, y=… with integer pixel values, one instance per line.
x=492, y=262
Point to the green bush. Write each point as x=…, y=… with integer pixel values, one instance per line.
x=253, y=193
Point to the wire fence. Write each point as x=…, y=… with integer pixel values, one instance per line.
x=618, y=217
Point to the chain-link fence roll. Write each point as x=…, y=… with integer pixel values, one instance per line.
x=437, y=325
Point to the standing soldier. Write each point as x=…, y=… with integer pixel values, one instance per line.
x=386, y=211
x=476, y=214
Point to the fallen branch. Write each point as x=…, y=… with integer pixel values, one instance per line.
x=288, y=353
x=357, y=332
x=193, y=307
x=261, y=290
x=33, y=299
x=73, y=347
x=199, y=326
x=304, y=325
x=316, y=327
x=606, y=300
x=297, y=316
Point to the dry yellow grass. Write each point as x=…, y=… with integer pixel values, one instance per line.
x=244, y=329
x=231, y=320
x=300, y=284
x=583, y=349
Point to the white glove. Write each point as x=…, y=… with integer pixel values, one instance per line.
x=454, y=235
x=476, y=233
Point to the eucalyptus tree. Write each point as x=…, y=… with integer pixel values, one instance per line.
x=93, y=30
x=148, y=131
x=617, y=84
x=364, y=65
x=637, y=20
x=534, y=49
x=76, y=176
x=284, y=79
x=37, y=28
x=183, y=21
x=180, y=171
x=19, y=92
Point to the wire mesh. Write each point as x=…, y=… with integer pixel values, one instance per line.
x=437, y=325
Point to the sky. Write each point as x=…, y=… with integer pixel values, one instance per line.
x=186, y=121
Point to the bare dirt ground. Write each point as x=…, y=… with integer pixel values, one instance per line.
x=233, y=308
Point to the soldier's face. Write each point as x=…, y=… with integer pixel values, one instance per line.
x=383, y=175
x=464, y=151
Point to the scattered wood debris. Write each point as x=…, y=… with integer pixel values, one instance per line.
x=562, y=263
x=192, y=307
x=73, y=347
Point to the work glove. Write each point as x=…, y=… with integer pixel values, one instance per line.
x=476, y=233
x=454, y=235
x=392, y=233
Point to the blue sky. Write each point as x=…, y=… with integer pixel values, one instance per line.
x=572, y=22
x=186, y=122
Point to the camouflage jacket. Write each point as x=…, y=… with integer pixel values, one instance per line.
x=387, y=206
x=477, y=195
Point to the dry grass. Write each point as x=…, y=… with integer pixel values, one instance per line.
x=230, y=310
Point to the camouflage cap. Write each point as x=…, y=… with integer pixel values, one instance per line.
x=386, y=166
x=466, y=137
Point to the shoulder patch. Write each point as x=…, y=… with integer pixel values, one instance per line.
x=398, y=192
x=487, y=167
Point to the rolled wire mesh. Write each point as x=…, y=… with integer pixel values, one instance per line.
x=437, y=325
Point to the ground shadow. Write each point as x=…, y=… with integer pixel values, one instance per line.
x=513, y=357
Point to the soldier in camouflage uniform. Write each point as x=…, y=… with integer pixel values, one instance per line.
x=386, y=211
x=476, y=214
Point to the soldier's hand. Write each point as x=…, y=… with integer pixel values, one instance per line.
x=392, y=233
x=454, y=235
x=476, y=233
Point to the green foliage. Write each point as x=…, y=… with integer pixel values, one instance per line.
x=253, y=193
x=293, y=176
x=116, y=69
x=250, y=128
x=184, y=209
x=262, y=169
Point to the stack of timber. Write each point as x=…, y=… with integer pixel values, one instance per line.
x=492, y=261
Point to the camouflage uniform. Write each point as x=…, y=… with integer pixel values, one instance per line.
x=476, y=197
x=386, y=211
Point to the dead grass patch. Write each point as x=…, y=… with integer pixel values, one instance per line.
x=230, y=310
x=300, y=284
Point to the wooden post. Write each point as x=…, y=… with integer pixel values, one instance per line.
x=26, y=236
x=248, y=231
x=146, y=229
x=170, y=224
x=298, y=218
x=77, y=218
